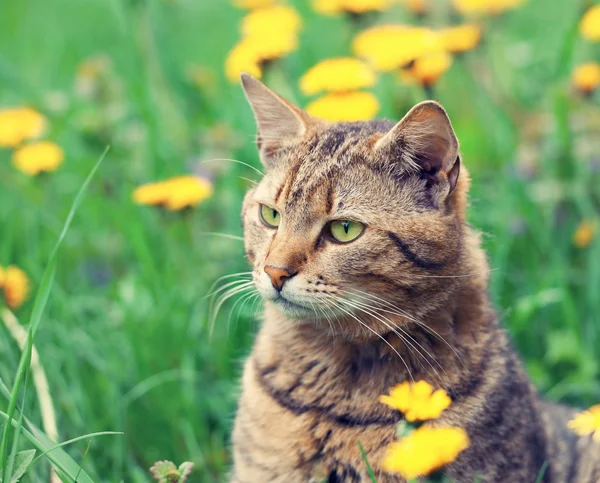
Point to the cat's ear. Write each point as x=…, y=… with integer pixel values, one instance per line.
x=424, y=141
x=278, y=121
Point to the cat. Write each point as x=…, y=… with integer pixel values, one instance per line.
x=372, y=276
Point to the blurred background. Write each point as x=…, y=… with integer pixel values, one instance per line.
x=125, y=340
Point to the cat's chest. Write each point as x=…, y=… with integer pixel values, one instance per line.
x=319, y=425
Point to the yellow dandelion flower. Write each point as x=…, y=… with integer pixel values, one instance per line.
x=427, y=70
x=390, y=47
x=345, y=106
x=332, y=7
x=584, y=234
x=417, y=401
x=38, y=157
x=2, y=276
x=271, y=47
x=586, y=77
x=424, y=451
x=420, y=7
x=589, y=26
x=242, y=58
x=175, y=193
x=265, y=21
x=587, y=423
x=16, y=287
x=483, y=7
x=253, y=4
x=19, y=124
x=342, y=74
x=460, y=38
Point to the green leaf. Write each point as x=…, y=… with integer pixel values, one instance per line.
x=185, y=469
x=365, y=459
x=22, y=461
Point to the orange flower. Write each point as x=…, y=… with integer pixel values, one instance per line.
x=175, y=193
x=341, y=74
x=418, y=402
x=425, y=450
x=35, y=158
x=344, y=106
x=587, y=423
x=16, y=286
x=586, y=77
x=19, y=124
x=590, y=24
x=460, y=38
x=584, y=234
x=389, y=47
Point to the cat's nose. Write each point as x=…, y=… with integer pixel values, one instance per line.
x=278, y=276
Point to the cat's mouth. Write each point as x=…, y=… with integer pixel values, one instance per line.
x=292, y=309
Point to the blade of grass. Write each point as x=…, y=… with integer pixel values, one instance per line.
x=59, y=458
x=74, y=440
x=38, y=308
x=365, y=459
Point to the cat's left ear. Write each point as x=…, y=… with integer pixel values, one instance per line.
x=424, y=141
x=278, y=121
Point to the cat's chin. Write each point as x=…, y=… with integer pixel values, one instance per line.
x=293, y=310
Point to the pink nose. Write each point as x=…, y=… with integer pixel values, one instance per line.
x=278, y=276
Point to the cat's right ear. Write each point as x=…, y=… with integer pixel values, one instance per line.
x=278, y=121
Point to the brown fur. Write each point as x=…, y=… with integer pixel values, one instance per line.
x=406, y=300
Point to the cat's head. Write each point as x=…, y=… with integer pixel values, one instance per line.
x=354, y=219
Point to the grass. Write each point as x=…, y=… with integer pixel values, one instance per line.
x=124, y=338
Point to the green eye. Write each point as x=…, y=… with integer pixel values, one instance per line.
x=345, y=231
x=269, y=216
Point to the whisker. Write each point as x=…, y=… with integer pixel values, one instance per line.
x=223, y=298
x=225, y=286
x=233, y=161
x=341, y=301
x=406, y=337
x=222, y=235
x=398, y=311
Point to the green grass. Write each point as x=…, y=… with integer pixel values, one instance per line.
x=124, y=338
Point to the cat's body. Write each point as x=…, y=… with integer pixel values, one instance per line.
x=406, y=299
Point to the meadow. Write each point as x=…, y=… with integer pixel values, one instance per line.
x=125, y=338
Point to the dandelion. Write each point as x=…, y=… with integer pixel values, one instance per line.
x=358, y=7
x=242, y=58
x=425, y=451
x=341, y=74
x=586, y=77
x=265, y=21
x=16, y=286
x=486, y=7
x=427, y=70
x=417, y=401
x=390, y=47
x=587, y=423
x=345, y=106
x=584, y=234
x=175, y=193
x=589, y=26
x=33, y=159
x=460, y=38
x=269, y=34
x=253, y=4
x=20, y=124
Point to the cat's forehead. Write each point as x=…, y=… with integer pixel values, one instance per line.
x=334, y=171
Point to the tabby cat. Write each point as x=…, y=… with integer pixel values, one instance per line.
x=372, y=276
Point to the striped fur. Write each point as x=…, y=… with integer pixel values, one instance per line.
x=407, y=299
